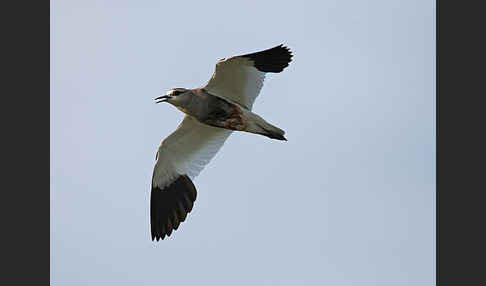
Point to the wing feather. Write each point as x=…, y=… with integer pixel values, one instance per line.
x=240, y=78
x=180, y=158
x=187, y=151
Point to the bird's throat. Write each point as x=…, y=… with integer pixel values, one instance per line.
x=183, y=109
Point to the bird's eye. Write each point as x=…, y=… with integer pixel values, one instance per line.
x=176, y=93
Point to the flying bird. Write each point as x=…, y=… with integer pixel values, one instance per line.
x=213, y=112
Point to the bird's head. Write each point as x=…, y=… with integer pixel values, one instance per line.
x=178, y=97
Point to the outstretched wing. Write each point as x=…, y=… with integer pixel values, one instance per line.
x=180, y=158
x=240, y=78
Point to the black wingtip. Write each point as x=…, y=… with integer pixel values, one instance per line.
x=169, y=206
x=271, y=60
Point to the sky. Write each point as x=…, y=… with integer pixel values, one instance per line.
x=349, y=199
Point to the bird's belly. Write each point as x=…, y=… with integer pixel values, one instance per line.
x=232, y=120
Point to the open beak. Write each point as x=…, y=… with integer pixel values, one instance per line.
x=162, y=98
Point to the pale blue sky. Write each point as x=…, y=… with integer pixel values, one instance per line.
x=348, y=200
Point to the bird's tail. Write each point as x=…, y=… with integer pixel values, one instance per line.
x=258, y=125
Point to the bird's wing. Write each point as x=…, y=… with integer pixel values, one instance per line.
x=180, y=158
x=240, y=78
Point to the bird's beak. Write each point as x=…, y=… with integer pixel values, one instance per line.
x=162, y=98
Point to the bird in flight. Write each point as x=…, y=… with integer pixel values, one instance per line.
x=213, y=112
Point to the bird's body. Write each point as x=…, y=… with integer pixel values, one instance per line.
x=213, y=112
x=220, y=112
